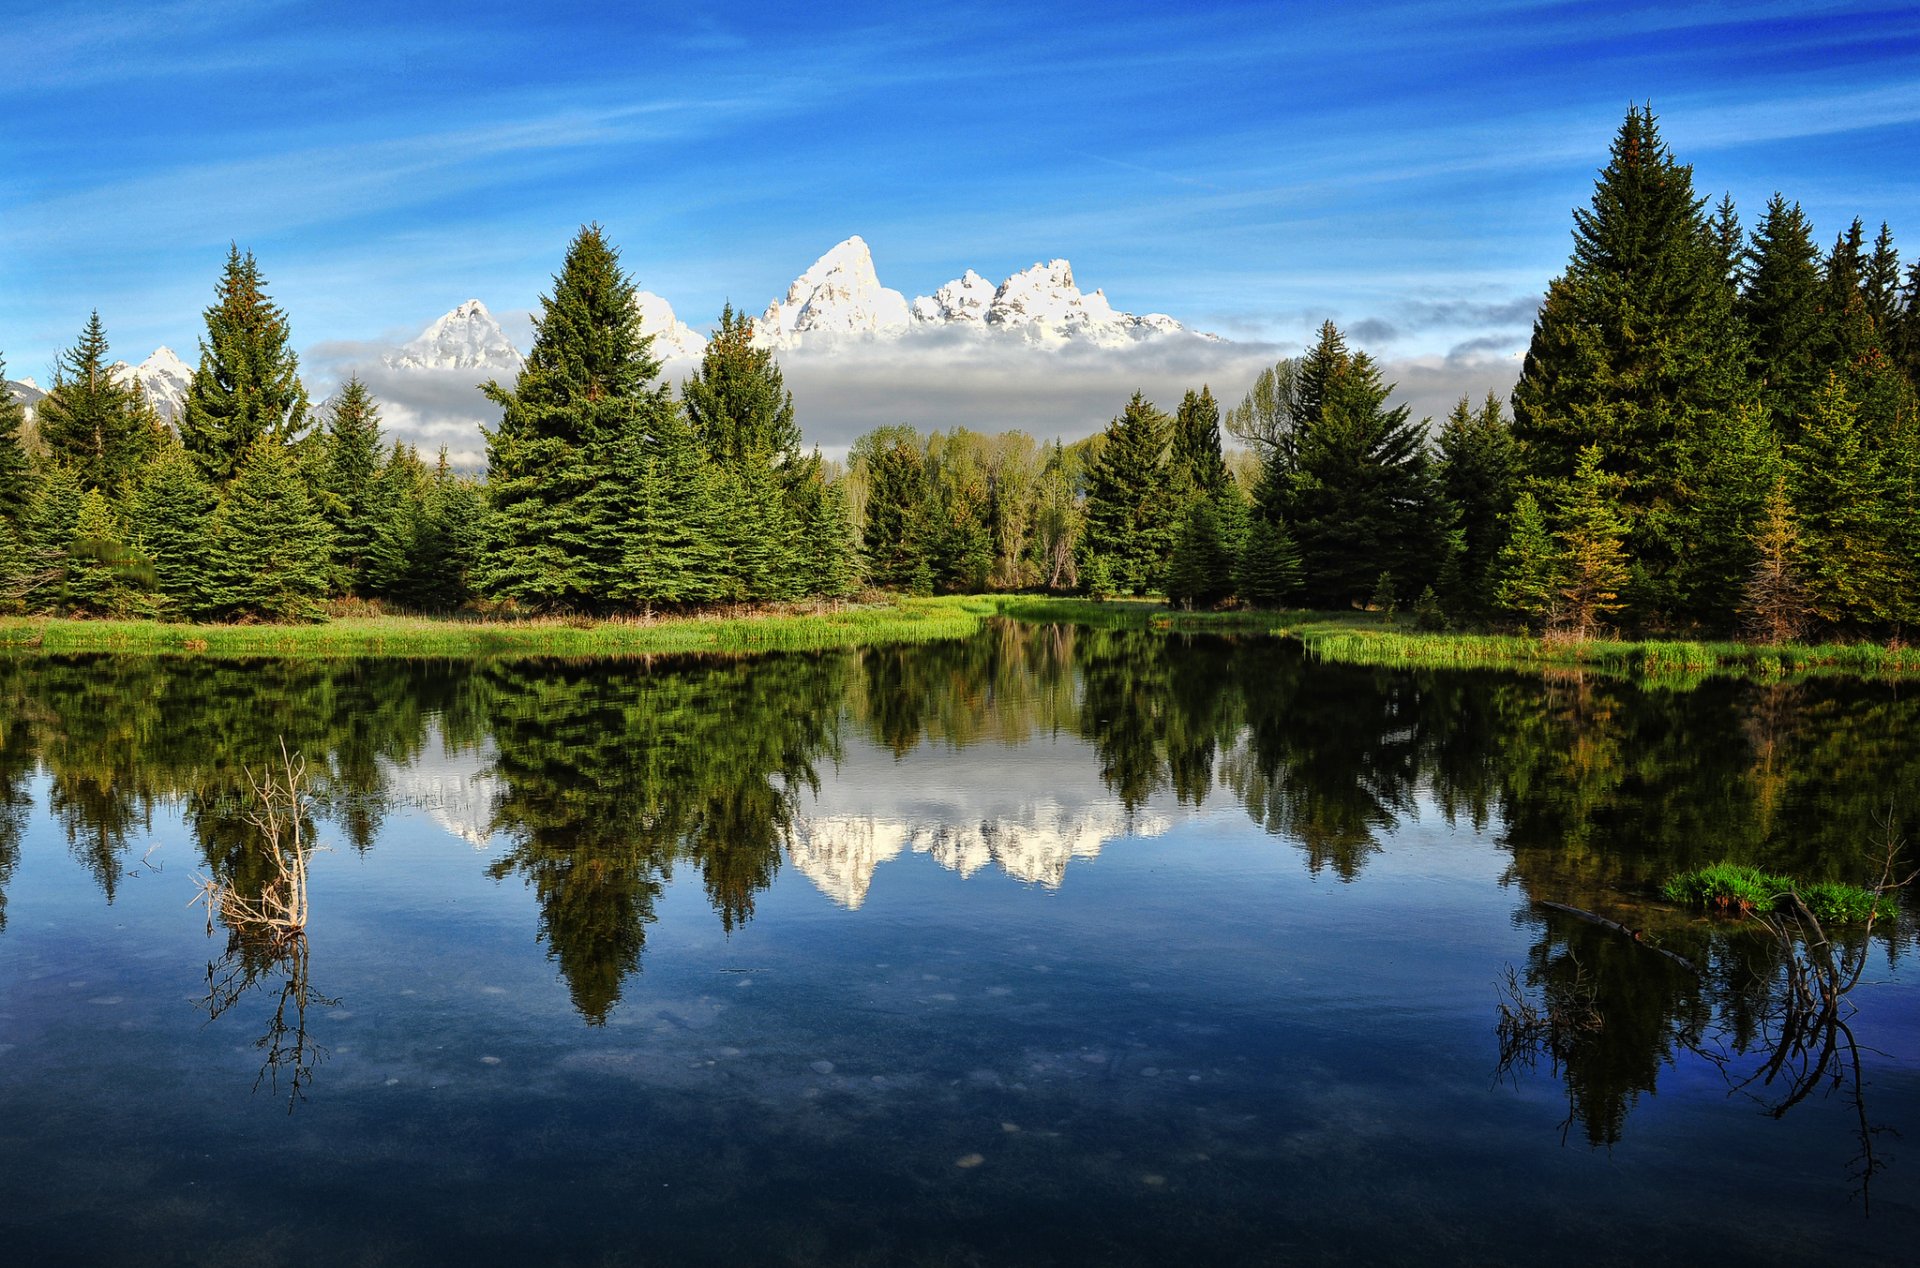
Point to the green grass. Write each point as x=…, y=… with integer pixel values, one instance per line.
x=1367, y=638
x=850, y=625
x=1738, y=889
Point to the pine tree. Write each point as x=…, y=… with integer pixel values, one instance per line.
x=171, y=523
x=272, y=546
x=1725, y=474
x=672, y=539
x=1129, y=512
x=1837, y=483
x=1880, y=286
x=1782, y=307
x=1354, y=484
x=248, y=381
x=1774, y=604
x=1634, y=348
x=1531, y=566
x=92, y=422
x=104, y=576
x=1592, y=552
x=893, y=535
x=1200, y=572
x=1197, y=466
x=350, y=461
x=826, y=540
x=1849, y=334
x=1478, y=476
x=1269, y=573
x=737, y=403
x=559, y=473
x=16, y=472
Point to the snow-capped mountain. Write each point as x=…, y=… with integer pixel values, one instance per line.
x=26, y=391
x=839, y=853
x=468, y=338
x=841, y=295
x=673, y=339
x=163, y=377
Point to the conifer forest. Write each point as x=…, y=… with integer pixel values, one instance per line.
x=1716, y=429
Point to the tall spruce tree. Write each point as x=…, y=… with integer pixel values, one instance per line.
x=1478, y=475
x=894, y=532
x=1635, y=347
x=172, y=520
x=92, y=422
x=671, y=551
x=272, y=546
x=1197, y=464
x=1837, y=483
x=1783, y=311
x=1130, y=513
x=16, y=471
x=559, y=473
x=1353, y=485
x=737, y=403
x=1592, y=550
x=350, y=461
x=248, y=381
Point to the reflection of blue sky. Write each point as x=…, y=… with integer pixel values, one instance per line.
x=1404, y=167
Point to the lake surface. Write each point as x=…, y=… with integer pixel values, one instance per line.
x=1051, y=946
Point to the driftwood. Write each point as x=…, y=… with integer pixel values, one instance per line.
x=1617, y=927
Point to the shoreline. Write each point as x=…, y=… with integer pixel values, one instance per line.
x=1349, y=638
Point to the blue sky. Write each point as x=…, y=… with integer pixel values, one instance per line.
x=1407, y=169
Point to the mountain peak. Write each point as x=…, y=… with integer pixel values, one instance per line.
x=467, y=338
x=839, y=295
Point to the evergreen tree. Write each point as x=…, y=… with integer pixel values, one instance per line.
x=1880, y=286
x=1478, y=476
x=104, y=576
x=1592, y=553
x=1198, y=467
x=894, y=531
x=1850, y=337
x=1269, y=573
x=172, y=520
x=1354, y=484
x=1725, y=474
x=1774, y=604
x=1200, y=572
x=1129, y=512
x=349, y=464
x=90, y=421
x=826, y=540
x=272, y=546
x=1634, y=349
x=1530, y=569
x=559, y=466
x=1053, y=542
x=248, y=381
x=16, y=472
x=737, y=402
x=674, y=530
x=1837, y=483
x=1782, y=307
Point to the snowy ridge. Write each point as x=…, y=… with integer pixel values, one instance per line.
x=673, y=339
x=840, y=853
x=163, y=376
x=468, y=338
x=841, y=295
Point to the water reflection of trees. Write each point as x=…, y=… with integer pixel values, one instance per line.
x=611, y=774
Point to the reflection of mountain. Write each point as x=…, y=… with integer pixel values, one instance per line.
x=455, y=789
x=839, y=853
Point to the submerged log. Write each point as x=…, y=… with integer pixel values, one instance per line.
x=1617, y=927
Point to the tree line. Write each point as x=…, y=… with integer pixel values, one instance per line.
x=1712, y=430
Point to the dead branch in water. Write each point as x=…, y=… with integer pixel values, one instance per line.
x=279, y=912
x=1635, y=934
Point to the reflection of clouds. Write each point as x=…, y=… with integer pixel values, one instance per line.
x=839, y=853
x=1028, y=810
x=456, y=790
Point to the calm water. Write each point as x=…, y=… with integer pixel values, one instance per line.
x=1052, y=946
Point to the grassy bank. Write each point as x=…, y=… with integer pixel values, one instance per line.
x=1353, y=638
x=850, y=625
x=1366, y=638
